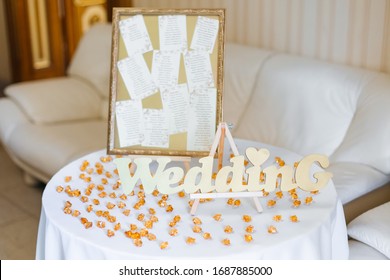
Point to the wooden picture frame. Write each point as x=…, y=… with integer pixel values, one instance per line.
x=166, y=81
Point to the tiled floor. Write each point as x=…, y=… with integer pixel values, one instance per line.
x=20, y=207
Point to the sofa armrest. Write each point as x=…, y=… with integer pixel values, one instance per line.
x=55, y=100
x=10, y=117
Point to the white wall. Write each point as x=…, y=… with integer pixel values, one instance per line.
x=5, y=70
x=353, y=32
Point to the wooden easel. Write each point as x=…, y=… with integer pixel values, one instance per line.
x=219, y=142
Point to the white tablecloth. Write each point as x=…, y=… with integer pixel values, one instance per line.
x=319, y=234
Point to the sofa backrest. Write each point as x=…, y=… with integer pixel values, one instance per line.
x=92, y=59
x=310, y=106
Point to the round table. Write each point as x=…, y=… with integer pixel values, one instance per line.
x=320, y=232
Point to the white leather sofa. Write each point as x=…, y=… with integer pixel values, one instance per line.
x=301, y=104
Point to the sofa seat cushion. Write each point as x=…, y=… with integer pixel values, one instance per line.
x=48, y=148
x=361, y=251
x=373, y=228
x=353, y=180
x=55, y=100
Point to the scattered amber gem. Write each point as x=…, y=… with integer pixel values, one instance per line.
x=141, y=217
x=165, y=197
x=196, y=229
x=190, y=240
x=100, y=188
x=228, y=229
x=104, y=181
x=121, y=205
x=271, y=203
x=83, y=220
x=110, y=205
x=237, y=203
x=148, y=224
x=292, y=191
x=246, y=218
x=231, y=155
x=190, y=203
x=248, y=238
x=133, y=227
x=87, y=179
x=214, y=176
x=246, y=162
x=226, y=241
x=155, y=193
x=172, y=223
x=151, y=236
x=137, y=206
x=177, y=218
x=88, y=225
x=117, y=226
x=296, y=203
x=137, y=242
x=84, y=199
x=135, y=235
x=154, y=219
x=162, y=203
x=123, y=197
x=99, y=171
x=101, y=224
x=197, y=221
x=230, y=201
x=110, y=233
x=294, y=196
x=249, y=229
x=90, y=171
x=132, y=193
x=169, y=208
x=173, y=232
x=265, y=193
x=68, y=178
x=272, y=229
x=68, y=204
x=112, y=195
x=96, y=201
x=89, y=208
x=82, y=176
x=308, y=200
x=143, y=232
x=217, y=217
x=182, y=194
x=116, y=186
x=108, y=174
x=152, y=211
x=277, y=218
x=262, y=176
x=206, y=235
x=98, y=165
x=76, y=213
x=141, y=194
x=315, y=192
x=163, y=245
x=67, y=210
x=106, y=214
x=111, y=219
x=59, y=189
x=126, y=212
x=88, y=192
x=279, y=194
x=294, y=219
x=99, y=213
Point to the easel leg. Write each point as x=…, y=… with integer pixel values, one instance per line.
x=194, y=206
x=259, y=208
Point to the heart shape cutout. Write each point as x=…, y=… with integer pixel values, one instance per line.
x=257, y=157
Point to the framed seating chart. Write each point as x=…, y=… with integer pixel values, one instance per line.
x=166, y=81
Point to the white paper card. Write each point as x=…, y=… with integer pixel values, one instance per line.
x=155, y=128
x=176, y=103
x=205, y=34
x=135, y=35
x=165, y=68
x=136, y=76
x=202, y=120
x=129, y=122
x=198, y=70
x=173, y=32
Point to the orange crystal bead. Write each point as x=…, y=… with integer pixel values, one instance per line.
x=123, y=197
x=133, y=227
x=155, y=193
x=177, y=218
x=296, y=203
x=308, y=200
x=154, y=219
x=246, y=218
x=172, y=223
x=117, y=226
x=248, y=238
x=237, y=203
x=217, y=217
x=271, y=203
x=249, y=229
x=111, y=219
x=226, y=242
x=151, y=236
x=76, y=213
x=277, y=218
x=99, y=213
x=152, y=211
x=143, y=232
x=84, y=199
x=190, y=240
x=265, y=193
x=100, y=224
x=173, y=232
x=294, y=196
x=162, y=203
x=196, y=229
x=59, y=189
x=67, y=210
x=182, y=194
x=88, y=225
x=294, y=219
x=165, y=197
x=68, y=204
x=206, y=235
x=169, y=208
x=148, y=224
x=110, y=205
x=272, y=229
x=112, y=195
x=197, y=221
x=140, y=217
x=83, y=220
x=228, y=229
x=230, y=201
x=110, y=233
x=279, y=194
x=126, y=212
x=89, y=208
x=137, y=242
x=104, y=181
x=121, y=205
x=68, y=178
x=315, y=192
x=164, y=245
x=96, y=201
